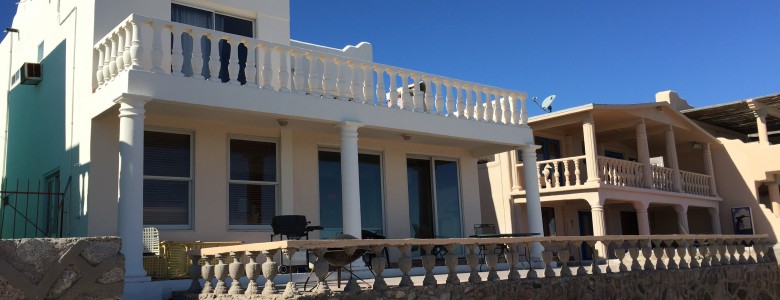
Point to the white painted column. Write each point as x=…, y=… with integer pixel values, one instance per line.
x=643, y=151
x=350, y=179
x=682, y=218
x=774, y=196
x=709, y=169
x=532, y=197
x=287, y=163
x=131, y=184
x=642, y=219
x=715, y=219
x=599, y=227
x=763, y=136
x=671, y=153
x=591, y=162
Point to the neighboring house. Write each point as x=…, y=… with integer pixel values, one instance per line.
x=207, y=120
x=747, y=164
x=611, y=170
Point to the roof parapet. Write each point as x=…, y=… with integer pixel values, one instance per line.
x=673, y=99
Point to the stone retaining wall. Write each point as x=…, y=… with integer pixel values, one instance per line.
x=759, y=281
x=68, y=268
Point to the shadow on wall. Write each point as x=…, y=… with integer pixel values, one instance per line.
x=486, y=195
x=738, y=193
x=40, y=154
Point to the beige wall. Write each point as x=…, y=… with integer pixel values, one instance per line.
x=209, y=206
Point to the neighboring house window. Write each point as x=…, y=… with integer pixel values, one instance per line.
x=40, y=52
x=613, y=154
x=167, y=178
x=253, y=184
x=215, y=21
x=371, y=194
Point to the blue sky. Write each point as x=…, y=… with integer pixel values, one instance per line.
x=609, y=51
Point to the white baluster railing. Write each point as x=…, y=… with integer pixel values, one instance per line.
x=285, y=68
x=695, y=183
x=620, y=172
x=662, y=178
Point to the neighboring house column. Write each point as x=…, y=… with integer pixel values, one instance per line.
x=709, y=169
x=642, y=219
x=131, y=184
x=774, y=196
x=532, y=198
x=350, y=179
x=591, y=162
x=682, y=218
x=671, y=153
x=599, y=226
x=643, y=151
x=763, y=136
x=715, y=219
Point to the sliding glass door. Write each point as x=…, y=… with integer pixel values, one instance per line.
x=434, y=198
x=371, y=208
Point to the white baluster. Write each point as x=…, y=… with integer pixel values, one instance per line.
x=392, y=100
x=478, y=103
x=505, y=108
x=461, y=101
x=128, y=40
x=233, y=66
x=523, y=113
x=450, y=104
x=284, y=71
x=101, y=61
x=250, y=70
x=439, y=101
x=214, y=63
x=329, y=78
x=469, y=102
x=566, y=174
x=342, y=83
x=120, y=56
x=497, y=111
x=406, y=101
x=297, y=73
x=157, y=52
x=177, y=56
x=136, y=50
x=514, y=113
x=430, y=88
x=381, y=93
x=356, y=89
x=267, y=72
x=488, y=106
x=368, y=96
x=315, y=75
x=417, y=99
x=577, y=180
x=197, y=54
x=112, y=68
x=106, y=62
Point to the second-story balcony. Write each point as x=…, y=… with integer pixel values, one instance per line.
x=306, y=82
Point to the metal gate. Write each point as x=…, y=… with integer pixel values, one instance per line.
x=31, y=210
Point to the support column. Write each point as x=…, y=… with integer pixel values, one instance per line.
x=774, y=197
x=599, y=228
x=591, y=162
x=671, y=153
x=643, y=151
x=286, y=161
x=682, y=218
x=642, y=220
x=350, y=179
x=709, y=169
x=715, y=219
x=763, y=136
x=532, y=198
x=131, y=184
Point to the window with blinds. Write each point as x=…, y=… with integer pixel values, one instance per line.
x=253, y=183
x=167, y=179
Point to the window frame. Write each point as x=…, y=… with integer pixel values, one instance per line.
x=433, y=159
x=277, y=184
x=190, y=179
x=214, y=14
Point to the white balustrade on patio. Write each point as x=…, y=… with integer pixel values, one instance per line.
x=199, y=53
x=695, y=183
x=627, y=254
x=620, y=172
x=562, y=172
x=662, y=178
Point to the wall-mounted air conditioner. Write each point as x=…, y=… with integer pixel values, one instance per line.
x=31, y=73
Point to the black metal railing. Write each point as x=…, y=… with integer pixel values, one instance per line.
x=32, y=210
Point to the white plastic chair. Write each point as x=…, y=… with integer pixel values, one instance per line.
x=151, y=241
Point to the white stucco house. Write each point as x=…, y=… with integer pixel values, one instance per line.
x=204, y=119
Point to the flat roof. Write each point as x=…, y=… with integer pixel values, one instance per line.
x=737, y=115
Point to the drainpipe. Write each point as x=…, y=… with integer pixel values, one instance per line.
x=10, y=31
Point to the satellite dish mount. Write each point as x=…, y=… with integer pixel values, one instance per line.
x=546, y=104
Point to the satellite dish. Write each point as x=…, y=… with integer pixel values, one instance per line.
x=546, y=103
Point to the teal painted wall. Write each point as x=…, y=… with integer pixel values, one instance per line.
x=36, y=145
